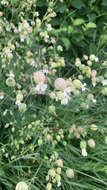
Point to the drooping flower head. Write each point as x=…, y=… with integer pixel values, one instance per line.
x=60, y=84
x=39, y=77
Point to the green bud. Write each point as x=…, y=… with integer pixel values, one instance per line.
x=40, y=142
x=77, y=84
x=58, y=178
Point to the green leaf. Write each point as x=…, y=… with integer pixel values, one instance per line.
x=41, y=3
x=103, y=40
x=70, y=29
x=61, y=7
x=90, y=25
x=104, y=3
x=78, y=21
x=77, y=4
x=14, y=1
x=66, y=43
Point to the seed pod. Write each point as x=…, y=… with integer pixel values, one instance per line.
x=10, y=82
x=70, y=173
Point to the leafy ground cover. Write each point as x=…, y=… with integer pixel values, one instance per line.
x=53, y=95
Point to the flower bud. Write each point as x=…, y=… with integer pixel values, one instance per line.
x=60, y=95
x=21, y=186
x=48, y=137
x=59, y=170
x=22, y=107
x=85, y=57
x=93, y=73
x=90, y=97
x=94, y=127
x=106, y=139
x=92, y=57
x=80, y=77
x=52, y=95
x=40, y=142
x=39, y=77
x=58, y=178
x=52, y=109
x=91, y=143
x=10, y=82
x=19, y=97
x=77, y=84
x=89, y=63
x=58, y=138
x=84, y=152
x=49, y=186
x=52, y=172
x=82, y=144
x=60, y=163
x=60, y=84
x=70, y=173
x=104, y=91
x=47, y=178
x=33, y=91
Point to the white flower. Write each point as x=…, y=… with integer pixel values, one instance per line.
x=104, y=82
x=64, y=101
x=59, y=184
x=96, y=59
x=68, y=90
x=41, y=88
x=84, y=153
x=11, y=75
x=3, y=2
x=26, y=25
x=1, y=97
x=8, y=28
x=45, y=71
x=17, y=102
x=22, y=39
x=83, y=87
x=33, y=63
x=94, y=100
x=37, y=13
x=94, y=84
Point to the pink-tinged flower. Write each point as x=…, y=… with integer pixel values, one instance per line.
x=49, y=186
x=39, y=77
x=60, y=163
x=91, y=143
x=41, y=88
x=1, y=95
x=52, y=95
x=60, y=84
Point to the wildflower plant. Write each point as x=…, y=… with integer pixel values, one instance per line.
x=52, y=119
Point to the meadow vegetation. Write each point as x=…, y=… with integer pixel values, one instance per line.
x=53, y=95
